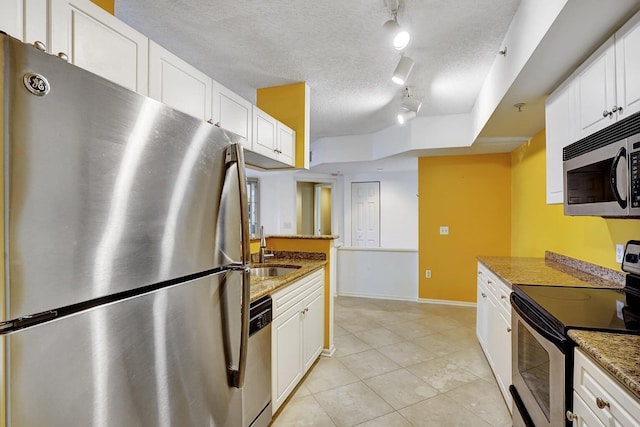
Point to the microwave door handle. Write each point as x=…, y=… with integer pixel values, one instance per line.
x=622, y=152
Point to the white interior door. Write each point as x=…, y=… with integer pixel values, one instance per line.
x=365, y=214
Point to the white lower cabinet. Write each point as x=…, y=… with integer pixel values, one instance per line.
x=297, y=333
x=493, y=327
x=598, y=398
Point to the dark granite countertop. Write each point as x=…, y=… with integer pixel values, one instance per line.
x=615, y=353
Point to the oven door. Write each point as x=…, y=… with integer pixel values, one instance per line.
x=597, y=182
x=538, y=369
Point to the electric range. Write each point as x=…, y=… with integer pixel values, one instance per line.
x=542, y=353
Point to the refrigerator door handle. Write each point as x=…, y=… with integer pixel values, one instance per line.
x=235, y=157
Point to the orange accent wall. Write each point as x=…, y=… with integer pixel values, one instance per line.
x=472, y=196
x=537, y=227
x=310, y=245
x=108, y=5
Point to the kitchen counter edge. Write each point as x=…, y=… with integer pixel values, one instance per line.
x=261, y=286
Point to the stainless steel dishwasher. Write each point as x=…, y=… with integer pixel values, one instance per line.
x=256, y=392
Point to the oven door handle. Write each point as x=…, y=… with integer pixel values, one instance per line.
x=622, y=152
x=538, y=323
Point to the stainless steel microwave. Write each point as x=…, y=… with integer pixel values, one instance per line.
x=601, y=175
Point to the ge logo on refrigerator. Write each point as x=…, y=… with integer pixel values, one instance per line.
x=36, y=84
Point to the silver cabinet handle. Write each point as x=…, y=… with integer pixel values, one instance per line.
x=571, y=416
x=616, y=109
x=484, y=295
x=503, y=296
x=508, y=329
x=602, y=403
x=40, y=45
x=63, y=56
x=606, y=113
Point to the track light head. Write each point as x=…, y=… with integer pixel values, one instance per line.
x=399, y=35
x=405, y=116
x=402, y=71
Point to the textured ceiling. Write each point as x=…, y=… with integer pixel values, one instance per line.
x=338, y=47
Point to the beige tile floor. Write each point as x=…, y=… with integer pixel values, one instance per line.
x=399, y=363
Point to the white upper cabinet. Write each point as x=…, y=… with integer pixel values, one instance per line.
x=97, y=41
x=178, y=84
x=286, y=143
x=559, y=131
x=272, y=138
x=603, y=90
x=595, y=91
x=264, y=133
x=628, y=67
x=232, y=112
x=25, y=20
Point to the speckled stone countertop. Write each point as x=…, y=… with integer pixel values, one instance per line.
x=261, y=286
x=554, y=270
x=616, y=353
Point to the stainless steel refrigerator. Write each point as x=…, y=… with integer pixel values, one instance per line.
x=125, y=283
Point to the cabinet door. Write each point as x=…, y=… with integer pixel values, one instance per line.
x=99, y=42
x=286, y=354
x=232, y=112
x=264, y=133
x=503, y=356
x=482, y=313
x=585, y=417
x=493, y=331
x=25, y=20
x=178, y=84
x=595, y=88
x=286, y=144
x=313, y=329
x=628, y=67
x=12, y=18
x=559, y=135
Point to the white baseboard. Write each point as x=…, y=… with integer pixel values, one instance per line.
x=328, y=352
x=446, y=302
x=375, y=296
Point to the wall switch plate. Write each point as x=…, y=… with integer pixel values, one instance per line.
x=619, y=253
x=427, y=274
x=444, y=230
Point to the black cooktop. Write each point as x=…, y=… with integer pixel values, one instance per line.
x=605, y=309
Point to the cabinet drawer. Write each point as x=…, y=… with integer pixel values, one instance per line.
x=290, y=295
x=608, y=400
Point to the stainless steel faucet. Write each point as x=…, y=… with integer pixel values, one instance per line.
x=263, y=246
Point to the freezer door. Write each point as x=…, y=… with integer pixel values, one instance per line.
x=105, y=190
x=152, y=360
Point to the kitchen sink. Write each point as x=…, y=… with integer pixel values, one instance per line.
x=272, y=271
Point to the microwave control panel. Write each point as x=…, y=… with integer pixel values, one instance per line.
x=634, y=164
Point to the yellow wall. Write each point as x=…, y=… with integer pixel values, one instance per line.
x=289, y=104
x=472, y=196
x=108, y=5
x=537, y=227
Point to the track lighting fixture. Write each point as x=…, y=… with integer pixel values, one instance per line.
x=402, y=71
x=399, y=35
x=410, y=106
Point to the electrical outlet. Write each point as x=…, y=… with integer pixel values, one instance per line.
x=444, y=230
x=619, y=253
x=427, y=274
